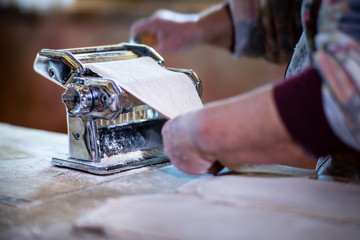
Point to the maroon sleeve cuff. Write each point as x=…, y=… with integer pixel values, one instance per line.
x=299, y=102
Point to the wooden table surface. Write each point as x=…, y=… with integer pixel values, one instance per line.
x=40, y=201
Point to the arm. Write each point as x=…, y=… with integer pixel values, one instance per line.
x=315, y=111
x=279, y=124
x=176, y=31
x=250, y=28
x=243, y=129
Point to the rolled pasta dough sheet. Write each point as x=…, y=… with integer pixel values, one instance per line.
x=170, y=93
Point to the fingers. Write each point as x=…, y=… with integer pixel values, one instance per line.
x=171, y=31
x=191, y=164
x=181, y=150
x=151, y=32
x=144, y=26
x=146, y=38
x=156, y=25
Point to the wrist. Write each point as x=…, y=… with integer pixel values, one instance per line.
x=215, y=26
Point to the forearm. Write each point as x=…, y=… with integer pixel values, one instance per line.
x=264, y=126
x=223, y=125
x=274, y=124
x=246, y=129
x=215, y=25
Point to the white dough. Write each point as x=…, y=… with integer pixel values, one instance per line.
x=235, y=207
x=170, y=93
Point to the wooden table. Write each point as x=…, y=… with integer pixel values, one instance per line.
x=40, y=201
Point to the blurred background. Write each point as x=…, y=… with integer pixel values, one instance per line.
x=27, y=26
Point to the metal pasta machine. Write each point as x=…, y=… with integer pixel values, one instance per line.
x=109, y=130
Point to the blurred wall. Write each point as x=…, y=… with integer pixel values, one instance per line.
x=29, y=100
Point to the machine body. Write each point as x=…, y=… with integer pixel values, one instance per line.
x=105, y=121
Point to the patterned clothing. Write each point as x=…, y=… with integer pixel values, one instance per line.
x=329, y=43
x=267, y=29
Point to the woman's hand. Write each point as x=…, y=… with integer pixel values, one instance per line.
x=242, y=130
x=181, y=149
x=177, y=32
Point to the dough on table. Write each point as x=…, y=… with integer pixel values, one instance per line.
x=235, y=207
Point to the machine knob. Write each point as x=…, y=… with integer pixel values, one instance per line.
x=78, y=99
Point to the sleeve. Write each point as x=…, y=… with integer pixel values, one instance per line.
x=268, y=29
x=300, y=106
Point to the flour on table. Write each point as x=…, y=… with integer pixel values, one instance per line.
x=122, y=158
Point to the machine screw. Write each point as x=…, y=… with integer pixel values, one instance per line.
x=52, y=72
x=76, y=136
x=104, y=98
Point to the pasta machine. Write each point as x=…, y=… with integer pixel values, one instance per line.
x=109, y=130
